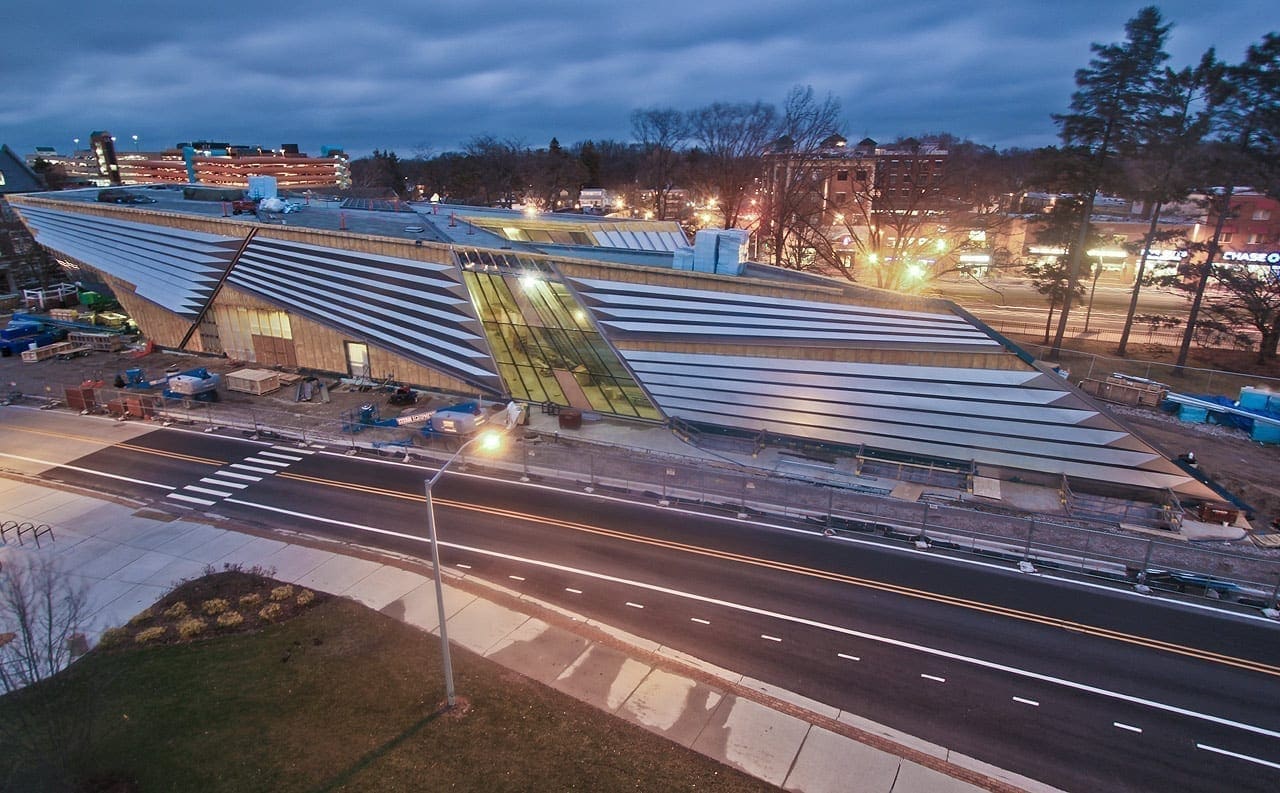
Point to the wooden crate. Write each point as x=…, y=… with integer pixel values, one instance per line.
x=102, y=342
x=253, y=381
x=65, y=314
x=48, y=351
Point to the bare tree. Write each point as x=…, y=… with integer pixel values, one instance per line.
x=732, y=139
x=795, y=204
x=43, y=614
x=495, y=165
x=660, y=132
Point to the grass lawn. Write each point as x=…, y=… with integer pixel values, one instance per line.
x=335, y=697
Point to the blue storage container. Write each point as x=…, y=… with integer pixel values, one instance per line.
x=1265, y=432
x=1192, y=414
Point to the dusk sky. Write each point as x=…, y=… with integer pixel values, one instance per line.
x=421, y=78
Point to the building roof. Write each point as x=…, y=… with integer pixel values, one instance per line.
x=769, y=351
x=15, y=175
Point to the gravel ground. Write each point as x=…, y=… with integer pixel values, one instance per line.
x=1248, y=469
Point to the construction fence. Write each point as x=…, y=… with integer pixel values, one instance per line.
x=849, y=508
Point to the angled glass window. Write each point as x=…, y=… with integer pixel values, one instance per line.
x=546, y=348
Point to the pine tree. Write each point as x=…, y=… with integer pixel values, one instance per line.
x=1111, y=97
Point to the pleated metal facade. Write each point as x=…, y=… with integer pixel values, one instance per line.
x=416, y=309
x=639, y=309
x=1013, y=416
x=1016, y=419
x=177, y=269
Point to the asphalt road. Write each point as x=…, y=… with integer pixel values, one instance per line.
x=1083, y=687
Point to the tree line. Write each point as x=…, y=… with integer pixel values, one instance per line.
x=1135, y=127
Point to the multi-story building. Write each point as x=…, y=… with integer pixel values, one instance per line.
x=201, y=162
x=1250, y=233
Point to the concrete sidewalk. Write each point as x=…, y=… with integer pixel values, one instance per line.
x=129, y=557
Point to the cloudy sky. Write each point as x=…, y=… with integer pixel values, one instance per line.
x=424, y=76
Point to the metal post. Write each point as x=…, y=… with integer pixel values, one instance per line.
x=591, y=472
x=524, y=459
x=435, y=563
x=831, y=506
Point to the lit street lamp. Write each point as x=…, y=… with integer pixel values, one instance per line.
x=135, y=144
x=489, y=441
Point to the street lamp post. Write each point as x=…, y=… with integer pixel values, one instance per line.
x=489, y=441
x=135, y=144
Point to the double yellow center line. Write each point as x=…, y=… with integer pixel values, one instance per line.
x=729, y=556
x=972, y=605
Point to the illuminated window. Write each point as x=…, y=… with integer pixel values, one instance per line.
x=546, y=348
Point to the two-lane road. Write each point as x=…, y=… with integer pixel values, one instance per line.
x=1083, y=687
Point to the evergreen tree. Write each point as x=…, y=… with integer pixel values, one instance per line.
x=1112, y=97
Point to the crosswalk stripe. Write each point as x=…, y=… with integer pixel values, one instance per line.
x=236, y=485
x=291, y=449
x=192, y=499
x=234, y=475
x=194, y=489
x=260, y=461
x=254, y=468
x=292, y=457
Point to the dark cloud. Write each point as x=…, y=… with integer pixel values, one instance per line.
x=411, y=75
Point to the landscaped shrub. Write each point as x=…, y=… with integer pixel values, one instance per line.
x=113, y=637
x=305, y=597
x=250, y=600
x=190, y=628
x=177, y=610
x=282, y=592
x=149, y=634
x=230, y=619
x=214, y=607
x=271, y=611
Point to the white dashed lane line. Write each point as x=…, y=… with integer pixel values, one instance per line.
x=1128, y=727
x=635, y=605
x=1238, y=756
x=848, y=657
x=767, y=637
x=464, y=566
x=574, y=591
x=516, y=577
x=934, y=678
x=1030, y=702
x=700, y=621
